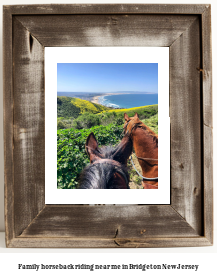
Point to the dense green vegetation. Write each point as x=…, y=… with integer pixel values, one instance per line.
x=76, y=120
x=71, y=154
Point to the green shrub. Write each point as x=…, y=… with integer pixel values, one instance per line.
x=60, y=124
x=86, y=120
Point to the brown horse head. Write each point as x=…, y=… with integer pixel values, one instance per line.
x=134, y=122
x=131, y=123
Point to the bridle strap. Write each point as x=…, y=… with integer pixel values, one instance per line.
x=108, y=161
x=145, y=158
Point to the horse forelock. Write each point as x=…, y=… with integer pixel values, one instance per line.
x=108, y=151
x=101, y=176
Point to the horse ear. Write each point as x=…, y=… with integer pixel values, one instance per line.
x=126, y=118
x=91, y=145
x=136, y=115
x=123, y=150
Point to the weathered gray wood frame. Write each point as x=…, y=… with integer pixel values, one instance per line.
x=186, y=29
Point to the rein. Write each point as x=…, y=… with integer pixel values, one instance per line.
x=144, y=178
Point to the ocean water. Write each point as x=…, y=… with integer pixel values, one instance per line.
x=128, y=100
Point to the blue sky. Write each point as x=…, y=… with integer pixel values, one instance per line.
x=109, y=77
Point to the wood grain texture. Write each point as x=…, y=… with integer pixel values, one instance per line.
x=207, y=67
x=29, y=223
x=208, y=183
x=185, y=111
x=107, y=30
x=106, y=9
x=109, y=221
x=8, y=125
x=207, y=123
x=29, y=141
x=108, y=243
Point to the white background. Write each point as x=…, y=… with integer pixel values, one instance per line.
x=54, y=55
x=205, y=256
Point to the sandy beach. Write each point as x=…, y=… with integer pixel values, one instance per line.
x=95, y=99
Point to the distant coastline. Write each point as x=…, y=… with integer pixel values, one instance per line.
x=114, y=99
x=95, y=99
x=118, y=101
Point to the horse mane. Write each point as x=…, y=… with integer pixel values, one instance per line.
x=101, y=175
x=150, y=132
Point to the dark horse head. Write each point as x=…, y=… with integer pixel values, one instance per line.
x=108, y=168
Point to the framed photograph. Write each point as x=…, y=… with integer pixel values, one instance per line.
x=143, y=73
x=88, y=89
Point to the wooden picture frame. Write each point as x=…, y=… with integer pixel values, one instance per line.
x=186, y=30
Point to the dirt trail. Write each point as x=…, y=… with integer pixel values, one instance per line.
x=135, y=180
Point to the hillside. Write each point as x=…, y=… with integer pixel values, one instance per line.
x=146, y=111
x=87, y=120
x=68, y=107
